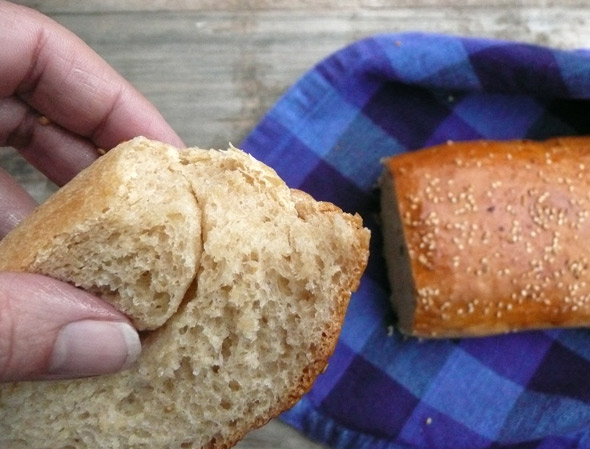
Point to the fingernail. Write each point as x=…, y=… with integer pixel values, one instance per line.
x=90, y=348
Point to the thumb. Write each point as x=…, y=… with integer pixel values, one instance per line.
x=51, y=330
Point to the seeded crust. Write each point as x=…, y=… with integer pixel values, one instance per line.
x=489, y=237
x=239, y=284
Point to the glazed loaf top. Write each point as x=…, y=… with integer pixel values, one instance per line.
x=497, y=236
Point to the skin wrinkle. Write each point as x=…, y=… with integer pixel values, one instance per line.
x=12, y=219
x=64, y=68
x=20, y=135
x=21, y=128
x=12, y=113
x=100, y=127
x=15, y=203
x=83, y=83
x=7, y=336
x=32, y=77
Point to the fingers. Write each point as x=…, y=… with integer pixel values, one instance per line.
x=48, y=72
x=51, y=330
x=60, y=77
x=55, y=152
x=15, y=203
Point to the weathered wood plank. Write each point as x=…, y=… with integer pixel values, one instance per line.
x=213, y=75
x=276, y=435
x=56, y=6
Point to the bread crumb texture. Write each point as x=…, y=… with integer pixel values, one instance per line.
x=239, y=284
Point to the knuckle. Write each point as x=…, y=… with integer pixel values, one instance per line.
x=18, y=129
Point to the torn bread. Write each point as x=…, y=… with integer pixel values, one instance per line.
x=239, y=284
x=489, y=237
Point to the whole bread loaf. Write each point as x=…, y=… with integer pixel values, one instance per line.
x=238, y=283
x=489, y=237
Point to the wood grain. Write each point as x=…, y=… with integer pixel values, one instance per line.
x=214, y=67
x=53, y=6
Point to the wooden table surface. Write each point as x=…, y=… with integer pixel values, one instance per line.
x=214, y=67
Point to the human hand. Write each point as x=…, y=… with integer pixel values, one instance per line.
x=59, y=102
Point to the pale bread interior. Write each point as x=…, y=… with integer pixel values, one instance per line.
x=240, y=283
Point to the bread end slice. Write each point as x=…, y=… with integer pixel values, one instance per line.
x=264, y=274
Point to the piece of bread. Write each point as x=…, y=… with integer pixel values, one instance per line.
x=239, y=284
x=488, y=237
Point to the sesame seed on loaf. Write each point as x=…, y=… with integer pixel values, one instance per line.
x=489, y=237
x=239, y=283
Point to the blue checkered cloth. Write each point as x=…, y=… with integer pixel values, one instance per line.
x=394, y=93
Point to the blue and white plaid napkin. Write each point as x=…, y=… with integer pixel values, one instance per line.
x=394, y=93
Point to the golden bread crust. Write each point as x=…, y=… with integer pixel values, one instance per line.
x=496, y=235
